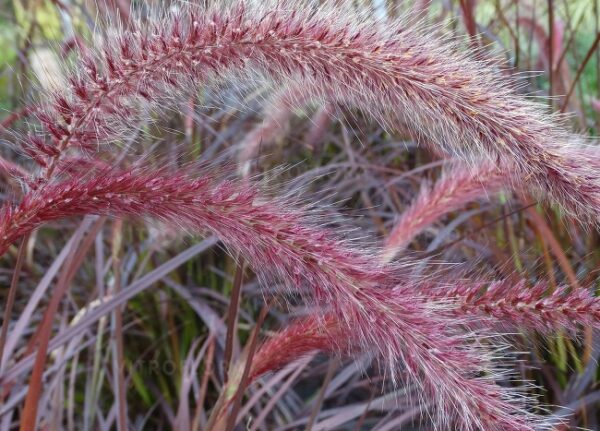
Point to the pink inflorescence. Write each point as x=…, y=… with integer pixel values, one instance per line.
x=456, y=188
x=534, y=307
x=455, y=102
x=367, y=298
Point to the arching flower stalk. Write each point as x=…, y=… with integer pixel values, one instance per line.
x=302, y=336
x=443, y=95
x=457, y=187
x=501, y=304
x=367, y=299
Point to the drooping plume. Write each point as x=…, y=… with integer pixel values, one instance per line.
x=453, y=101
x=368, y=299
x=457, y=187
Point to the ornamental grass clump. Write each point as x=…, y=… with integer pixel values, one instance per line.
x=437, y=336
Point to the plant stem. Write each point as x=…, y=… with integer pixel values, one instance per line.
x=12, y=293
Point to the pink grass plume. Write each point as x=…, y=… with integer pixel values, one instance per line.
x=367, y=298
x=457, y=103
